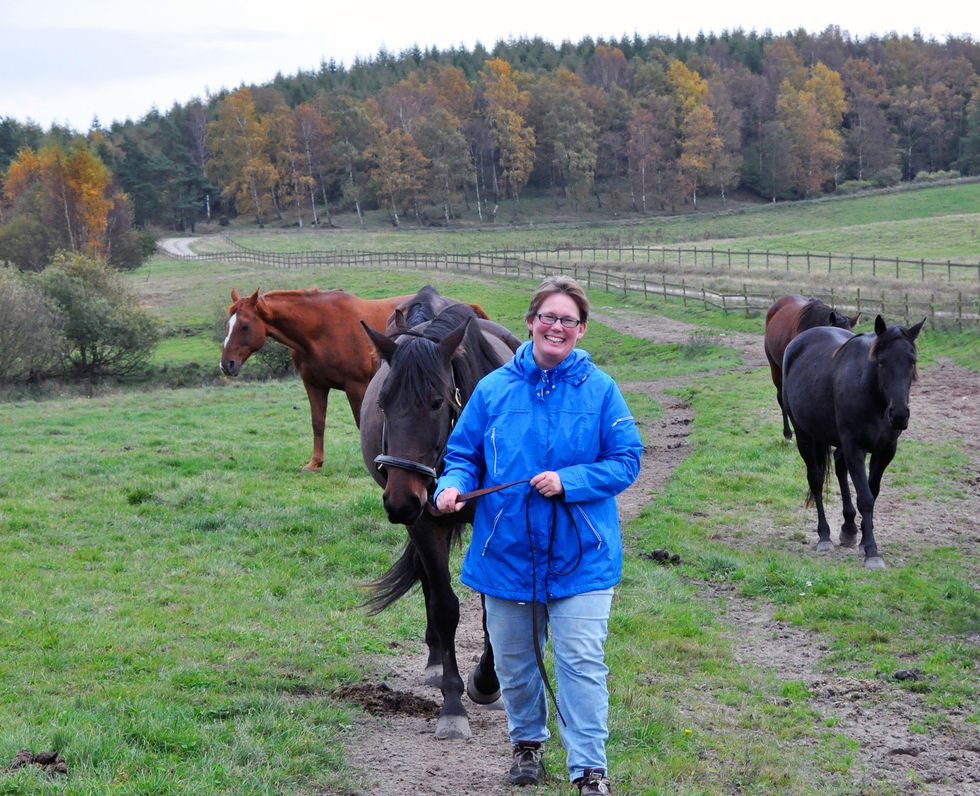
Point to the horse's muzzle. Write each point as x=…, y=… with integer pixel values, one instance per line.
x=230, y=367
x=899, y=418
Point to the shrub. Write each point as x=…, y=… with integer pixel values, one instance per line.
x=933, y=176
x=854, y=186
x=107, y=333
x=31, y=341
x=887, y=177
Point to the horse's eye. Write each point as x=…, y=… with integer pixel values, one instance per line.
x=245, y=327
x=437, y=403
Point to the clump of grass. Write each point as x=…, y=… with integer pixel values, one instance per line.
x=698, y=344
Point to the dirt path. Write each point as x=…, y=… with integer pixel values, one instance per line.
x=394, y=748
x=181, y=247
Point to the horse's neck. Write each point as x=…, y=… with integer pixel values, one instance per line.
x=294, y=320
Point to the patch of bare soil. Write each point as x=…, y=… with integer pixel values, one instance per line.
x=394, y=751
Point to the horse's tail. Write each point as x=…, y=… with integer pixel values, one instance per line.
x=396, y=582
x=827, y=469
x=404, y=574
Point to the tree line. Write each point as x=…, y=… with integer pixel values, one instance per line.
x=640, y=125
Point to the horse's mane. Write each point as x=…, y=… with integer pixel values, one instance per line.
x=415, y=366
x=814, y=313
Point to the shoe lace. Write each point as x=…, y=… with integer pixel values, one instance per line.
x=528, y=754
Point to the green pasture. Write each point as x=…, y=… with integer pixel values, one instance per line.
x=179, y=603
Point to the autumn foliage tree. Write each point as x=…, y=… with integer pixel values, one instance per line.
x=63, y=200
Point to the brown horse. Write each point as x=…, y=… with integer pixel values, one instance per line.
x=786, y=318
x=323, y=332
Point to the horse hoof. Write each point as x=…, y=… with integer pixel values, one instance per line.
x=310, y=468
x=825, y=546
x=874, y=562
x=849, y=543
x=433, y=676
x=453, y=728
x=478, y=696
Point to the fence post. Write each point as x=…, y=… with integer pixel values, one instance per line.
x=663, y=279
x=859, y=300
x=684, y=290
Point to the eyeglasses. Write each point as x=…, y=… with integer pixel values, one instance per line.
x=549, y=320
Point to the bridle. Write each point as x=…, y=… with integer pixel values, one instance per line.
x=384, y=460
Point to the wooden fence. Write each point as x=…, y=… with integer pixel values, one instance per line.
x=961, y=312
x=731, y=259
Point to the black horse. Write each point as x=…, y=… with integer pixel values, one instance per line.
x=786, y=318
x=850, y=392
x=427, y=374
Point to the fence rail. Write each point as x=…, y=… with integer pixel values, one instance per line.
x=961, y=311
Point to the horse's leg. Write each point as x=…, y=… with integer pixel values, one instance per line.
x=776, y=369
x=432, y=543
x=848, y=531
x=433, y=665
x=355, y=397
x=866, y=499
x=482, y=686
x=815, y=457
x=318, y=417
x=880, y=459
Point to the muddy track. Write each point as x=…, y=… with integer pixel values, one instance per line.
x=393, y=748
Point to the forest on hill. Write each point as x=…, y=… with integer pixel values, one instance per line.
x=635, y=126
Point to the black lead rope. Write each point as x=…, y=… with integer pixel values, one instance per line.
x=538, y=655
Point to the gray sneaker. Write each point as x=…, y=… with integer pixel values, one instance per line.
x=527, y=768
x=594, y=783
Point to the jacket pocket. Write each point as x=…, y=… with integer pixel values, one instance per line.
x=599, y=541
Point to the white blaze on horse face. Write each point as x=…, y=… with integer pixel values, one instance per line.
x=231, y=327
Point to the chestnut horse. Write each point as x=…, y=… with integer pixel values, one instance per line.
x=428, y=373
x=786, y=318
x=322, y=330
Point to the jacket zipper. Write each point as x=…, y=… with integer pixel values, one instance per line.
x=493, y=441
x=591, y=526
x=492, y=531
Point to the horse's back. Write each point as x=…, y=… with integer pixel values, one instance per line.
x=809, y=372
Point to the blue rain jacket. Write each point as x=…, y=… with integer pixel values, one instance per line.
x=520, y=421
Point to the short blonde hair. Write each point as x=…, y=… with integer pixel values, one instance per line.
x=559, y=284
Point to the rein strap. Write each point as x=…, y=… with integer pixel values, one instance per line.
x=488, y=489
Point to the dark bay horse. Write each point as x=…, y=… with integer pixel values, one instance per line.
x=850, y=392
x=322, y=330
x=786, y=318
x=427, y=374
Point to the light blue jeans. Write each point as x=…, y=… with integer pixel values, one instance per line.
x=577, y=626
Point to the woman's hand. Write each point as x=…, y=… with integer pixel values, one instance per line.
x=447, y=501
x=547, y=483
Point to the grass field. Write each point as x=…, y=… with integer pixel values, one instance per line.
x=178, y=602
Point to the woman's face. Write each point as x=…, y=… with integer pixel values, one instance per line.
x=553, y=342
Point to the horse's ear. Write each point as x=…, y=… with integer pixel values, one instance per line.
x=401, y=324
x=254, y=298
x=452, y=341
x=384, y=344
x=834, y=319
x=914, y=330
x=854, y=320
x=234, y=295
x=880, y=325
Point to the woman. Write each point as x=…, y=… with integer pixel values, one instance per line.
x=551, y=547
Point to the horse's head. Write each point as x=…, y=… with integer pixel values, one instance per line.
x=895, y=357
x=245, y=332
x=419, y=402
x=842, y=321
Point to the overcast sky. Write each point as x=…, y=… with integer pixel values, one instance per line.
x=69, y=61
